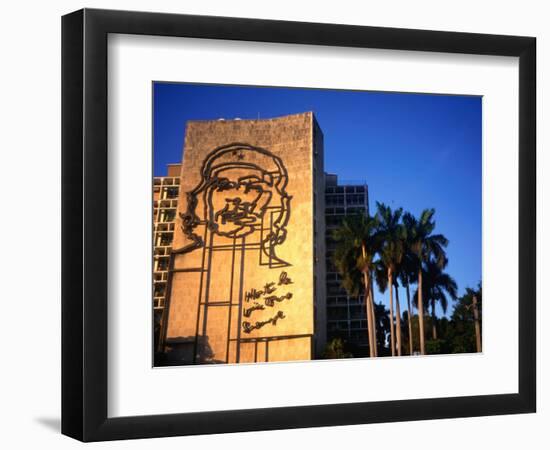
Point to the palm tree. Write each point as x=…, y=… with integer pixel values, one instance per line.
x=468, y=321
x=391, y=254
x=406, y=279
x=381, y=279
x=397, y=315
x=356, y=244
x=407, y=275
x=424, y=246
x=476, y=298
x=437, y=285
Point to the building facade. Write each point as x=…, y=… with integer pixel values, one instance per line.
x=165, y=203
x=346, y=316
x=245, y=275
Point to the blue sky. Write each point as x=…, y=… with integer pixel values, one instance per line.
x=414, y=151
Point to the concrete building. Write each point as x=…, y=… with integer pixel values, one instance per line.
x=346, y=316
x=246, y=278
x=165, y=203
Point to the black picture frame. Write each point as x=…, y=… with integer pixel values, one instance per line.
x=84, y=224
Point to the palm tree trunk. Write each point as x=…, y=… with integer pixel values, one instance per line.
x=371, y=305
x=370, y=318
x=392, y=337
x=398, y=320
x=434, y=328
x=370, y=321
x=421, y=314
x=410, y=320
x=476, y=324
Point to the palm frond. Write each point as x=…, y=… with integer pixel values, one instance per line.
x=356, y=246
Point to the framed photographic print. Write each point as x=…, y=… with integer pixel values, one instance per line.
x=273, y=224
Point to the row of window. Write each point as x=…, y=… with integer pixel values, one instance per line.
x=166, y=215
x=344, y=189
x=333, y=276
x=344, y=325
x=164, y=226
x=164, y=239
x=162, y=264
x=335, y=290
x=357, y=336
x=355, y=310
x=344, y=211
x=166, y=181
x=338, y=300
x=353, y=199
x=160, y=277
x=166, y=203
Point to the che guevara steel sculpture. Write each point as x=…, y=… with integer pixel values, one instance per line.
x=235, y=205
x=240, y=205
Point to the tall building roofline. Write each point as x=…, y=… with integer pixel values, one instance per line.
x=259, y=119
x=331, y=179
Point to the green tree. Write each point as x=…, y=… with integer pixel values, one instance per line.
x=437, y=287
x=424, y=245
x=356, y=246
x=464, y=337
x=407, y=276
x=335, y=350
x=391, y=235
x=457, y=334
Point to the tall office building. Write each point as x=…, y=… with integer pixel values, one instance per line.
x=245, y=280
x=346, y=316
x=165, y=202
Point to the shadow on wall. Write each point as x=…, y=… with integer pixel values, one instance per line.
x=179, y=352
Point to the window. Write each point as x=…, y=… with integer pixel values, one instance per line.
x=160, y=290
x=162, y=264
x=165, y=239
x=171, y=192
x=169, y=215
x=335, y=200
x=356, y=199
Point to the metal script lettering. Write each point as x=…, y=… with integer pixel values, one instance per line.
x=284, y=279
x=248, y=327
x=270, y=301
x=253, y=294
x=269, y=288
x=253, y=308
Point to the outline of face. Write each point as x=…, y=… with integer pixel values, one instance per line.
x=267, y=170
x=237, y=203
